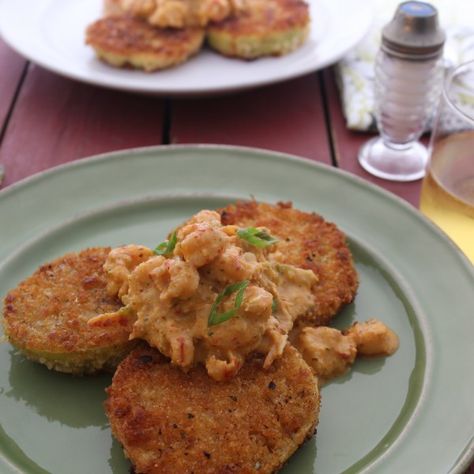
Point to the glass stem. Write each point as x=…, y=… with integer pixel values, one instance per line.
x=398, y=146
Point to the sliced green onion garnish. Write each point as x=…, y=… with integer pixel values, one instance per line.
x=257, y=237
x=166, y=248
x=218, y=318
x=274, y=305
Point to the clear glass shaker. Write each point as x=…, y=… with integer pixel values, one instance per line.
x=408, y=80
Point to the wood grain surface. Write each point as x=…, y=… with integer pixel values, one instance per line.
x=287, y=117
x=11, y=67
x=57, y=120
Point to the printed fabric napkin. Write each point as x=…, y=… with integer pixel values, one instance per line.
x=355, y=72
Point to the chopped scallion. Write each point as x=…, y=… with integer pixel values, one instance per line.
x=218, y=318
x=166, y=248
x=257, y=237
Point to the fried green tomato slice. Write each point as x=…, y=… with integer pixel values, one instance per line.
x=307, y=241
x=46, y=315
x=125, y=41
x=169, y=421
x=262, y=28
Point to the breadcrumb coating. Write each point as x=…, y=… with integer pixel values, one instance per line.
x=170, y=421
x=261, y=28
x=307, y=241
x=46, y=315
x=125, y=41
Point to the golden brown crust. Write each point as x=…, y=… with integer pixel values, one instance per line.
x=170, y=421
x=125, y=40
x=306, y=241
x=261, y=28
x=48, y=312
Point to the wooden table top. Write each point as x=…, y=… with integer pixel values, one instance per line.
x=47, y=120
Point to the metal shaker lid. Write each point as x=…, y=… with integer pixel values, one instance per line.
x=414, y=32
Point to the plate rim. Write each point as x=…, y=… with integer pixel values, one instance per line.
x=268, y=154
x=467, y=453
x=52, y=65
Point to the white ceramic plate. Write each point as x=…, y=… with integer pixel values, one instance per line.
x=51, y=34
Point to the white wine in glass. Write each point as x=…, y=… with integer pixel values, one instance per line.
x=447, y=195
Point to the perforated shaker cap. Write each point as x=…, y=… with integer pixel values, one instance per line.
x=414, y=32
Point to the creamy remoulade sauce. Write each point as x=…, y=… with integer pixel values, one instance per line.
x=215, y=297
x=173, y=296
x=181, y=13
x=330, y=352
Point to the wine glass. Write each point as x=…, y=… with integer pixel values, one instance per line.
x=447, y=195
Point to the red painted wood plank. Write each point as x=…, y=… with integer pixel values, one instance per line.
x=11, y=67
x=57, y=120
x=347, y=144
x=287, y=117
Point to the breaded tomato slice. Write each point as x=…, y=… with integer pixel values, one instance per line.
x=307, y=241
x=125, y=41
x=169, y=421
x=46, y=315
x=262, y=28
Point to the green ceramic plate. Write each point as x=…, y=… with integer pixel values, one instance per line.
x=412, y=412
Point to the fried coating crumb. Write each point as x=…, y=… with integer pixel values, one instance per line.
x=174, y=422
x=307, y=241
x=46, y=315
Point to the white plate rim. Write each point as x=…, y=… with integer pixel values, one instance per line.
x=12, y=11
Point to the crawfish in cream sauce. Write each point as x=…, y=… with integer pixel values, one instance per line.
x=213, y=298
